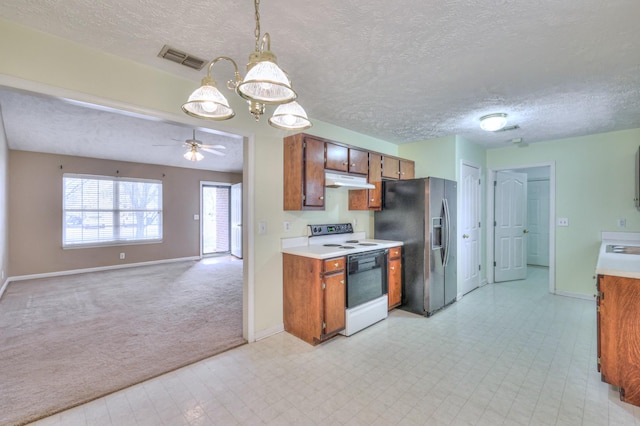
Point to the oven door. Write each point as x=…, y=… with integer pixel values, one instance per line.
x=367, y=277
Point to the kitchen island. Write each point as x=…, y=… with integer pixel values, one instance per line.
x=618, y=313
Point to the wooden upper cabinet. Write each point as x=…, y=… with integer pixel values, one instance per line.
x=369, y=199
x=344, y=159
x=390, y=167
x=397, y=168
x=337, y=157
x=407, y=169
x=303, y=173
x=358, y=161
x=307, y=157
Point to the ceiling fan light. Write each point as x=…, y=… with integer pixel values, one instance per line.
x=208, y=103
x=266, y=83
x=290, y=116
x=192, y=154
x=493, y=122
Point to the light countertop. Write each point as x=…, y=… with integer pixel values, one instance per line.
x=301, y=247
x=619, y=264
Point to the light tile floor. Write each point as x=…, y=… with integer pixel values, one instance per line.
x=506, y=354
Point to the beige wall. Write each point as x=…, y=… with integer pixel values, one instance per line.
x=35, y=212
x=4, y=205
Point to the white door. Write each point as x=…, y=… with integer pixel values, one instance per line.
x=469, y=228
x=510, y=231
x=236, y=220
x=538, y=223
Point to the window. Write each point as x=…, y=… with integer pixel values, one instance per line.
x=102, y=210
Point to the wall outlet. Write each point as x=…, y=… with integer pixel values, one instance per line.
x=262, y=228
x=287, y=226
x=121, y=256
x=196, y=217
x=622, y=223
x=563, y=221
x=355, y=223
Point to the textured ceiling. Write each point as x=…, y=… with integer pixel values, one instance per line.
x=51, y=125
x=401, y=71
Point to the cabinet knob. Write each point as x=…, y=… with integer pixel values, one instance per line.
x=373, y=199
x=393, y=268
x=344, y=163
x=321, y=197
x=336, y=264
x=341, y=281
x=353, y=164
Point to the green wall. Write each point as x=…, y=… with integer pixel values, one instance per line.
x=434, y=157
x=594, y=188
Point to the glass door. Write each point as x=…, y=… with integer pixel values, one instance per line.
x=216, y=219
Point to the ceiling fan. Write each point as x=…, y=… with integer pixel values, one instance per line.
x=194, y=146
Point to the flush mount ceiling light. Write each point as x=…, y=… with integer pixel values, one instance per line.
x=493, y=122
x=265, y=84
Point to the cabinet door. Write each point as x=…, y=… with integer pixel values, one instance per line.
x=407, y=169
x=365, y=199
x=337, y=157
x=358, y=161
x=395, y=283
x=314, y=173
x=334, y=303
x=390, y=168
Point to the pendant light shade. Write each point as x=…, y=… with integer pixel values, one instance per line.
x=493, y=122
x=208, y=103
x=193, y=155
x=290, y=116
x=265, y=82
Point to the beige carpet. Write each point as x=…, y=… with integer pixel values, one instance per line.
x=67, y=340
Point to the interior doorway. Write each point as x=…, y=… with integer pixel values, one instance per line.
x=215, y=220
x=545, y=216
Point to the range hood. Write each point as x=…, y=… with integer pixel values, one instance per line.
x=338, y=180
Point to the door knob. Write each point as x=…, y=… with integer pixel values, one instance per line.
x=525, y=231
x=465, y=236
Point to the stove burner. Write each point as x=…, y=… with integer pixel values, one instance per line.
x=352, y=241
x=367, y=244
x=346, y=247
x=332, y=245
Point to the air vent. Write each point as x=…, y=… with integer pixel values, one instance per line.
x=181, y=57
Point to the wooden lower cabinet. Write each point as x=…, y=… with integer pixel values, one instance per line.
x=394, y=271
x=314, y=293
x=618, y=321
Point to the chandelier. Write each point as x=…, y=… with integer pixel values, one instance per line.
x=265, y=84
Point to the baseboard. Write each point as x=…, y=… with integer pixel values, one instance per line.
x=4, y=286
x=574, y=295
x=97, y=269
x=484, y=282
x=263, y=334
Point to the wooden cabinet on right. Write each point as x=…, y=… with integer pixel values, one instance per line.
x=397, y=168
x=618, y=322
x=394, y=282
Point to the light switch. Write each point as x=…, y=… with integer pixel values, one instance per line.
x=196, y=217
x=262, y=228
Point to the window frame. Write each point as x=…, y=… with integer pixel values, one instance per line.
x=114, y=211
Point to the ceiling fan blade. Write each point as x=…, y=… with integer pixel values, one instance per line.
x=213, y=151
x=213, y=146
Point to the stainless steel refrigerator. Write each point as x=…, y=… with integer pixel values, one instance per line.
x=422, y=214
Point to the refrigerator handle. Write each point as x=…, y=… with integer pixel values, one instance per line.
x=447, y=227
